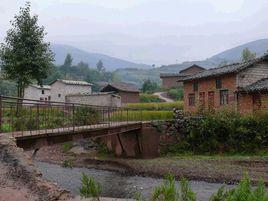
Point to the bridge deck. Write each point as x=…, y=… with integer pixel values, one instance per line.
x=65, y=130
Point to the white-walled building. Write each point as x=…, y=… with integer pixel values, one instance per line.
x=61, y=88
x=37, y=92
x=57, y=90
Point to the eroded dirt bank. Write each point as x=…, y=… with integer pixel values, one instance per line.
x=20, y=179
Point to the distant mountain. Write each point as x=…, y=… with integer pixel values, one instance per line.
x=260, y=47
x=110, y=63
x=137, y=76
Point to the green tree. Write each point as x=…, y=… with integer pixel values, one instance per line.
x=149, y=86
x=68, y=62
x=100, y=66
x=248, y=55
x=25, y=57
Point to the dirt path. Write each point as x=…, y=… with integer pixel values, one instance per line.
x=163, y=96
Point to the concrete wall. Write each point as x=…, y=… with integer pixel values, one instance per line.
x=208, y=85
x=129, y=97
x=252, y=74
x=110, y=100
x=35, y=93
x=66, y=89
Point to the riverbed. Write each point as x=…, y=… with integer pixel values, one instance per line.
x=115, y=184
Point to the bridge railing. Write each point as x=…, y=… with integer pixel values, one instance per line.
x=31, y=117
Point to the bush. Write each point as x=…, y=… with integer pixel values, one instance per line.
x=149, y=98
x=176, y=93
x=90, y=188
x=225, y=132
x=86, y=116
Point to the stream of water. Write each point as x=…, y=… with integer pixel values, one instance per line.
x=114, y=184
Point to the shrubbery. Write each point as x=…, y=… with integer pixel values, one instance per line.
x=224, y=132
x=175, y=93
x=149, y=98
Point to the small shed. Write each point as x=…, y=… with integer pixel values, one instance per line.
x=106, y=99
x=128, y=92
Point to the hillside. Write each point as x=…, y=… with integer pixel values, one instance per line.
x=230, y=56
x=78, y=55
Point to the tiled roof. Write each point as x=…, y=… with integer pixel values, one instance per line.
x=122, y=86
x=192, y=66
x=173, y=75
x=73, y=82
x=41, y=87
x=232, y=68
x=259, y=86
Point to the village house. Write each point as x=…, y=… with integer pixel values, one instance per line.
x=170, y=80
x=61, y=88
x=57, y=90
x=128, y=92
x=239, y=86
x=37, y=92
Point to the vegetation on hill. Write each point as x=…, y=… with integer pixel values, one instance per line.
x=175, y=93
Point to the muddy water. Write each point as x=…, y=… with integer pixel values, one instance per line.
x=115, y=184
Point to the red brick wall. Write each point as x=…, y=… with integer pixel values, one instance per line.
x=246, y=103
x=169, y=82
x=129, y=97
x=208, y=85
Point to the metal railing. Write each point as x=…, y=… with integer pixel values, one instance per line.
x=22, y=117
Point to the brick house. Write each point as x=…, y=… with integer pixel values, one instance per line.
x=233, y=86
x=128, y=92
x=170, y=80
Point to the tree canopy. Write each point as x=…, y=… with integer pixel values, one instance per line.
x=25, y=57
x=248, y=55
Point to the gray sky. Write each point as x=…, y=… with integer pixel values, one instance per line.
x=148, y=31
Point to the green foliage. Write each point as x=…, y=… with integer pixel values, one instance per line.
x=149, y=86
x=243, y=192
x=149, y=98
x=65, y=147
x=176, y=93
x=169, y=192
x=225, y=132
x=157, y=106
x=86, y=116
x=90, y=188
x=248, y=55
x=25, y=57
x=100, y=66
x=144, y=115
x=68, y=164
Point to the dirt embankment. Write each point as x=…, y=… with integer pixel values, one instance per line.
x=20, y=180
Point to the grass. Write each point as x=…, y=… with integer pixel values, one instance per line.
x=144, y=115
x=157, y=106
x=65, y=147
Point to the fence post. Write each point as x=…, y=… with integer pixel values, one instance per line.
x=73, y=122
x=127, y=115
x=109, y=120
x=1, y=113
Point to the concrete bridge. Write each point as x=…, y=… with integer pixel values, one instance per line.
x=39, y=123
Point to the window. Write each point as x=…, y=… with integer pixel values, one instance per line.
x=41, y=99
x=59, y=95
x=43, y=91
x=191, y=99
x=49, y=98
x=218, y=83
x=224, y=97
x=195, y=86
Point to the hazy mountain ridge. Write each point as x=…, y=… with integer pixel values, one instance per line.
x=110, y=63
x=232, y=55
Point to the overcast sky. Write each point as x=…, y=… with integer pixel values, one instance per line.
x=148, y=31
